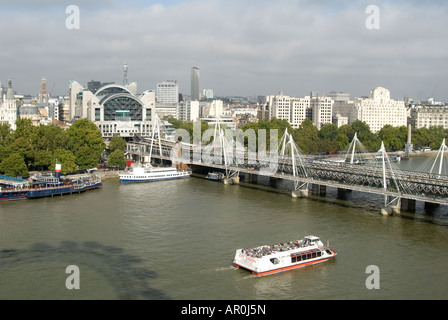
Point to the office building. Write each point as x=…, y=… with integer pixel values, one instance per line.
x=167, y=92
x=428, y=116
x=377, y=110
x=195, y=84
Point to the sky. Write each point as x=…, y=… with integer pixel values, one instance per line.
x=243, y=48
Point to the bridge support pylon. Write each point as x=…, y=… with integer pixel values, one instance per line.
x=300, y=191
x=391, y=208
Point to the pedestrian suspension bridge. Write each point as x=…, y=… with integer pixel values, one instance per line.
x=355, y=169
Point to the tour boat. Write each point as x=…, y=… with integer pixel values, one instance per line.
x=149, y=173
x=39, y=186
x=266, y=260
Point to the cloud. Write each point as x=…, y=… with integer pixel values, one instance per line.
x=242, y=47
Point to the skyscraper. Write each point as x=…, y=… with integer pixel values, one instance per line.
x=194, y=83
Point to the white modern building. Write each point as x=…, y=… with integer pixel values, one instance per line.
x=377, y=110
x=188, y=110
x=115, y=109
x=212, y=108
x=167, y=92
x=295, y=110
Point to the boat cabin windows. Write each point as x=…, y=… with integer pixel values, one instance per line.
x=301, y=256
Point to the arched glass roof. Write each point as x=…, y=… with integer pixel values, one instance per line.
x=110, y=89
x=122, y=107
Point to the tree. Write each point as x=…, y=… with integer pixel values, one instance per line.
x=117, y=143
x=367, y=138
x=14, y=165
x=306, y=137
x=328, y=132
x=67, y=160
x=85, y=159
x=117, y=159
x=5, y=134
x=50, y=137
x=43, y=159
x=393, y=137
x=24, y=128
x=85, y=133
x=23, y=146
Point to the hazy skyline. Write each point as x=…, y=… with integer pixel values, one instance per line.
x=245, y=48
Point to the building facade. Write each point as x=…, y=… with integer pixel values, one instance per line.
x=188, y=111
x=115, y=109
x=8, y=107
x=195, y=93
x=428, y=116
x=377, y=110
x=167, y=92
x=295, y=110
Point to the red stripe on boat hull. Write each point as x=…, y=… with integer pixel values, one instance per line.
x=296, y=266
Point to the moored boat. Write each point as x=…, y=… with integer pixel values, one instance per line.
x=266, y=260
x=148, y=173
x=49, y=185
x=215, y=176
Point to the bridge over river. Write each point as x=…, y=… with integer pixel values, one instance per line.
x=374, y=173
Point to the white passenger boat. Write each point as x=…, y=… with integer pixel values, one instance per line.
x=266, y=260
x=149, y=173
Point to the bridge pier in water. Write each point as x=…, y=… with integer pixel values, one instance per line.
x=392, y=207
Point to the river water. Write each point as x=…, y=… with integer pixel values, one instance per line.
x=177, y=239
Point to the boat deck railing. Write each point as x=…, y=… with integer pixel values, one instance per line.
x=261, y=251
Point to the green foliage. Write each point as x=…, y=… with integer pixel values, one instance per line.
x=85, y=159
x=22, y=145
x=14, y=166
x=5, y=134
x=50, y=137
x=84, y=133
x=189, y=127
x=43, y=159
x=117, y=159
x=67, y=160
x=117, y=143
x=306, y=137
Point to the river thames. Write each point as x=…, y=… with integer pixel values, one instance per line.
x=177, y=239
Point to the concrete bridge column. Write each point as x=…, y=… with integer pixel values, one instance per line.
x=300, y=193
x=392, y=208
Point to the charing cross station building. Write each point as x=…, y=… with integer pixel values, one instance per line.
x=117, y=110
